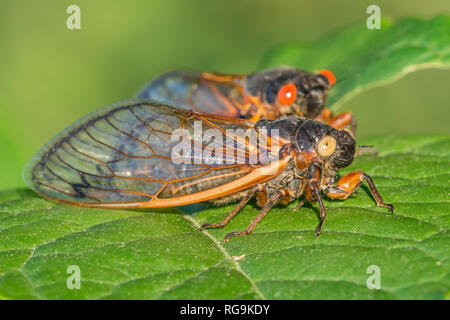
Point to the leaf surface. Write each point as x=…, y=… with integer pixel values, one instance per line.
x=164, y=255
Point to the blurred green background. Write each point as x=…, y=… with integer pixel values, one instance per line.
x=51, y=76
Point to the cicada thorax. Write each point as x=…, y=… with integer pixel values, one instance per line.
x=145, y=155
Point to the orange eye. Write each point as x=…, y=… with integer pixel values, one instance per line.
x=329, y=75
x=287, y=94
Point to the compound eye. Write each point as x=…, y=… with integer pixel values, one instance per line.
x=329, y=75
x=287, y=94
x=327, y=146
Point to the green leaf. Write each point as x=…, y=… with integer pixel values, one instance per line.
x=362, y=58
x=164, y=255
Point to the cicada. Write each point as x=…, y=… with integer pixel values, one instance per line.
x=148, y=155
x=270, y=94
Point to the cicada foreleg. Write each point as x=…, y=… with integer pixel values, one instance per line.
x=324, y=116
x=349, y=183
x=342, y=121
x=314, y=186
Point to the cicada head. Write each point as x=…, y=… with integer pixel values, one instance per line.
x=288, y=91
x=316, y=142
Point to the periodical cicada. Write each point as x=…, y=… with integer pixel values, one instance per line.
x=269, y=94
x=146, y=155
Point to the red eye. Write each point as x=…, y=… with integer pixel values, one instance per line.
x=287, y=94
x=329, y=75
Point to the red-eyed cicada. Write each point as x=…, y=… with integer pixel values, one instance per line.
x=270, y=94
x=147, y=155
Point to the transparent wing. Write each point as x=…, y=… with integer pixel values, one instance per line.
x=202, y=92
x=124, y=154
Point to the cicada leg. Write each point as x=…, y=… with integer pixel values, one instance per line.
x=349, y=183
x=239, y=206
x=299, y=205
x=324, y=116
x=342, y=121
x=266, y=208
x=260, y=111
x=314, y=186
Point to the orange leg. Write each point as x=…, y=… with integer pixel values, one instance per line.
x=342, y=121
x=349, y=183
x=324, y=116
x=258, y=109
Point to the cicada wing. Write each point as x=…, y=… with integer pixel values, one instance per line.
x=123, y=156
x=202, y=92
x=173, y=88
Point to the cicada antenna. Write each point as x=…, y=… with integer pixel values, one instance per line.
x=365, y=146
x=366, y=150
